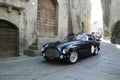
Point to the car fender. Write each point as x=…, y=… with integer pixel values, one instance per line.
x=72, y=48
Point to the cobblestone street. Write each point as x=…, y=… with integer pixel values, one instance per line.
x=104, y=66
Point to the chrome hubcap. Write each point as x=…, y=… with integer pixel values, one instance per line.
x=92, y=49
x=73, y=57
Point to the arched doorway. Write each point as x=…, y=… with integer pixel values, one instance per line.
x=47, y=17
x=8, y=39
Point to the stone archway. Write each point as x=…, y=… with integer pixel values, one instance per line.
x=47, y=17
x=8, y=39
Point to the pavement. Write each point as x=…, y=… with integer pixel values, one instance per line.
x=104, y=66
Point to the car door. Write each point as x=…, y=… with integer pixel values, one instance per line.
x=87, y=45
x=83, y=48
x=91, y=42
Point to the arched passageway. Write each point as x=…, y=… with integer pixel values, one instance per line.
x=8, y=39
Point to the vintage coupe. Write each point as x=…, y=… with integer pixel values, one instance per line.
x=71, y=48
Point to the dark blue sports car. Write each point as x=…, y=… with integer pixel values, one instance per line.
x=71, y=48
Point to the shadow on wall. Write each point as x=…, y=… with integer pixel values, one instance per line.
x=116, y=33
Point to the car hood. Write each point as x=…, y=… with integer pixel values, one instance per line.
x=63, y=44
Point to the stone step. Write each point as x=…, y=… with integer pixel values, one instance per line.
x=32, y=52
x=33, y=47
x=34, y=44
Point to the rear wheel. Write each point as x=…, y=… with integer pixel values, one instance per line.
x=96, y=51
x=73, y=57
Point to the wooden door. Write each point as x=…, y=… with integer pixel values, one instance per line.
x=47, y=17
x=8, y=39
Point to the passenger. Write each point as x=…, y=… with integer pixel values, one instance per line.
x=82, y=37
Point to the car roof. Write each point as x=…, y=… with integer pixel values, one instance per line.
x=86, y=34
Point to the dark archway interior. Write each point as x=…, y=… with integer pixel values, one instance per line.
x=8, y=39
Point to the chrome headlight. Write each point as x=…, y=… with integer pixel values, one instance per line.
x=42, y=49
x=65, y=51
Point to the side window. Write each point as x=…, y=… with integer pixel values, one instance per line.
x=90, y=38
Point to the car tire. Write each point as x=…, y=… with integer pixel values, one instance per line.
x=73, y=57
x=96, y=51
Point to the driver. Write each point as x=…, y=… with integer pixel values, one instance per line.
x=82, y=37
x=71, y=37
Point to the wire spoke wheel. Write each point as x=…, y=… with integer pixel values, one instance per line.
x=96, y=51
x=92, y=49
x=73, y=57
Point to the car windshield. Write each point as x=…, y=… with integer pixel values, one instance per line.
x=82, y=37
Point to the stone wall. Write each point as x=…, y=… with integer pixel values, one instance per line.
x=30, y=21
x=80, y=11
x=23, y=14
x=12, y=11
x=114, y=12
x=81, y=14
x=71, y=14
x=106, y=17
x=110, y=15
x=61, y=24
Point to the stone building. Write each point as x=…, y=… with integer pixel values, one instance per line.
x=26, y=24
x=110, y=16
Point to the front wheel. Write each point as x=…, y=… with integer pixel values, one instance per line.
x=73, y=57
x=92, y=49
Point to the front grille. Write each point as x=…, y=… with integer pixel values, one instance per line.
x=52, y=52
